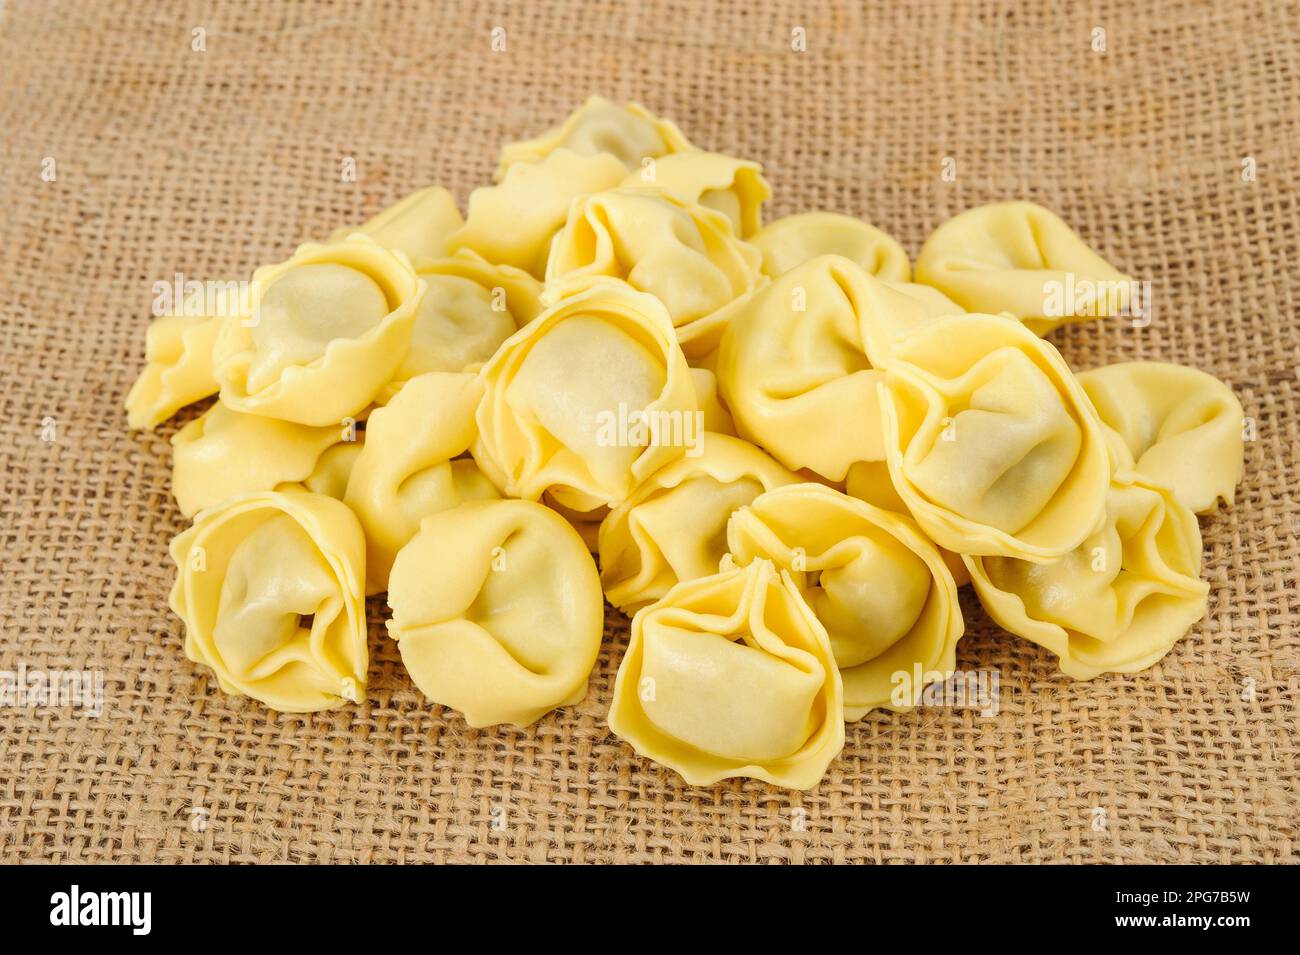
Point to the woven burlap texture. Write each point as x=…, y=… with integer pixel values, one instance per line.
x=211, y=161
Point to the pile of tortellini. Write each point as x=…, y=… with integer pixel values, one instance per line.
x=786, y=445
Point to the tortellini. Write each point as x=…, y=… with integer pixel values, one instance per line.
x=269, y=589
x=178, y=368
x=992, y=443
x=418, y=225
x=586, y=401
x=731, y=675
x=734, y=187
x=223, y=453
x=870, y=481
x=684, y=255
x=628, y=134
x=497, y=611
x=674, y=526
x=786, y=445
x=1120, y=600
x=469, y=308
x=328, y=329
x=881, y=590
x=800, y=362
x=411, y=465
x=790, y=242
x=1020, y=258
x=514, y=222
x=1178, y=426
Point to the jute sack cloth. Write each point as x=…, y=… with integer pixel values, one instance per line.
x=1173, y=151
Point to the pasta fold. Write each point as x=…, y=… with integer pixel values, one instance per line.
x=992, y=443
x=734, y=187
x=800, y=361
x=328, y=329
x=513, y=223
x=1177, y=426
x=587, y=400
x=790, y=242
x=223, y=453
x=412, y=466
x=497, y=611
x=1119, y=601
x=178, y=368
x=628, y=133
x=1020, y=258
x=269, y=589
x=674, y=526
x=731, y=675
x=683, y=254
x=418, y=225
x=469, y=308
x=881, y=590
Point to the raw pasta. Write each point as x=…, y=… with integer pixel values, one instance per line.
x=800, y=362
x=513, y=223
x=881, y=590
x=992, y=443
x=469, y=308
x=588, y=399
x=683, y=254
x=269, y=588
x=674, y=526
x=178, y=368
x=628, y=133
x=734, y=187
x=412, y=466
x=497, y=611
x=731, y=675
x=329, y=328
x=1020, y=258
x=790, y=242
x=223, y=453
x=1120, y=600
x=1178, y=426
x=418, y=225
x=870, y=481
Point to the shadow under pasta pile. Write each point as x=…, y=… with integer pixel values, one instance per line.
x=786, y=446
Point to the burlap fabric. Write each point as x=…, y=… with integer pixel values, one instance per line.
x=210, y=162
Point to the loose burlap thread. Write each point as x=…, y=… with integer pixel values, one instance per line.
x=209, y=162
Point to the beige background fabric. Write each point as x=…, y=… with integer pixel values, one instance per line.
x=210, y=163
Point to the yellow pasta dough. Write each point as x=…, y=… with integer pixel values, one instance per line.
x=269, y=588
x=469, y=308
x=683, y=254
x=794, y=240
x=992, y=443
x=334, y=468
x=329, y=328
x=224, y=452
x=731, y=675
x=1178, y=426
x=627, y=133
x=881, y=590
x=513, y=223
x=497, y=611
x=1020, y=258
x=800, y=361
x=734, y=187
x=1120, y=600
x=411, y=465
x=178, y=368
x=418, y=225
x=870, y=481
x=716, y=416
x=674, y=526
x=585, y=401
